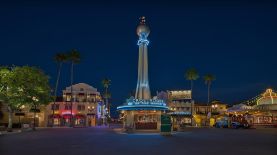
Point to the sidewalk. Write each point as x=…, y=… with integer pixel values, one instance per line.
x=15, y=131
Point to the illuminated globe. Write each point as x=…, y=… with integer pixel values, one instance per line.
x=142, y=29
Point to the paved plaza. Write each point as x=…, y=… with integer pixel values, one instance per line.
x=98, y=141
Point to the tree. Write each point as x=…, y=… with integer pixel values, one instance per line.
x=208, y=78
x=34, y=85
x=23, y=86
x=107, y=95
x=74, y=58
x=191, y=75
x=106, y=84
x=59, y=58
x=9, y=92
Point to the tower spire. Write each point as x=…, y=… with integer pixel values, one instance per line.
x=143, y=90
x=142, y=20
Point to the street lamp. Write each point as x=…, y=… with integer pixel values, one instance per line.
x=214, y=107
x=20, y=114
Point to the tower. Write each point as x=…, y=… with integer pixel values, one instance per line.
x=143, y=90
x=143, y=106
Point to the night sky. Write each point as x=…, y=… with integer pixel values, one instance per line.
x=235, y=41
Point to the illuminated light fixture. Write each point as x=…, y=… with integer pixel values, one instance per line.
x=142, y=107
x=143, y=41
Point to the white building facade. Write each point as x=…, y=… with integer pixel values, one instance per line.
x=85, y=109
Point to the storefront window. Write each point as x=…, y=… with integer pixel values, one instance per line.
x=67, y=107
x=81, y=107
x=146, y=118
x=56, y=121
x=79, y=121
x=263, y=120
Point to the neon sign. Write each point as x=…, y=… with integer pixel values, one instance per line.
x=145, y=102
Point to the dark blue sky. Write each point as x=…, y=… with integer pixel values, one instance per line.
x=236, y=41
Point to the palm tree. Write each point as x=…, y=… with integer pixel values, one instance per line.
x=208, y=78
x=106, y=83
x=108, y=95
x=191, y=75
x=59, y=58
x=74, y=58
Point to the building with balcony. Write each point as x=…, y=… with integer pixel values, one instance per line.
x=85, y=109
x=181, y=107
x=207, y=114
x=201, y=112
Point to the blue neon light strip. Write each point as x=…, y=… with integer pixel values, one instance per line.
x=142, y=107
x=143, y=41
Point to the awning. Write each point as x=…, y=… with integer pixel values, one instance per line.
x=78, y=116
x=142, y=107
x=19, y=114
x=66, y=116
x=55, y=116
x=143, y=104
x=180, y=113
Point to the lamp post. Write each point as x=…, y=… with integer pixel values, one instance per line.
x=191, y=111
x=20, y=110
x=214, y=107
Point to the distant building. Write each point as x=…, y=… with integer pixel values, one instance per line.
x=22, y=115
x=201, y=114
x=181, y=107
x=87, y=107
x=87, y=110
x=259, y=111
x=207, y=114
x=218, y=108
x=185, y=111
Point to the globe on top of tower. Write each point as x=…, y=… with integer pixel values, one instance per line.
x=142, y=29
